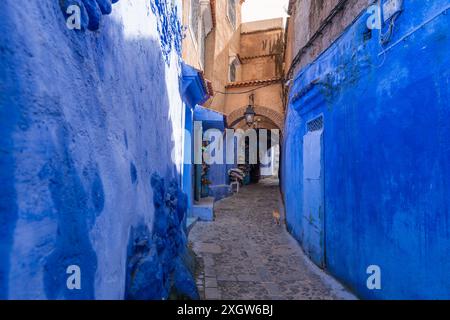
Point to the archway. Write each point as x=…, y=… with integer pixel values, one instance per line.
x=237, y=115
x=268, y=159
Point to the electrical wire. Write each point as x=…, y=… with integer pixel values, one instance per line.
x=244, y=92
x=385, y=38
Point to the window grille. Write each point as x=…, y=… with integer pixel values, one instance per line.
x=316, y=124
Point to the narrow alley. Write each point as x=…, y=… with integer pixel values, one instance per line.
x=244, y=255
x=225, y=150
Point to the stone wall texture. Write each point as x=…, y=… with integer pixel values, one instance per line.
x=307, y=16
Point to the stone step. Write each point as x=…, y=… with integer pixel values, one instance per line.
x=204, y=209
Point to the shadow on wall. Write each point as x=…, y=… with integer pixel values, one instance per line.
x=83, y=143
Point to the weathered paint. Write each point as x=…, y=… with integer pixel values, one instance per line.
x=386, y=153
x=86, y=119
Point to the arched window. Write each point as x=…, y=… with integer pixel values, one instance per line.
x=194, y=19
x=231, y=12
x=233, y=70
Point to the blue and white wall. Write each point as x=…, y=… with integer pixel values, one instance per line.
x=91, y=138
x=213, y=127
x=386, y=151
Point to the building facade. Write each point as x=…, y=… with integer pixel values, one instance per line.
x=259, y=63
x=242, y=64
x=237, y=59
x=365, y=160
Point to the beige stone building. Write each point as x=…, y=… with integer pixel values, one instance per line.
x=238, y=59
x=260, y=69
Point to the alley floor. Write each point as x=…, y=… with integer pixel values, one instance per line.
x=244, y=255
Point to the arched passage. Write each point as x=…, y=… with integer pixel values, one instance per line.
x=237, y=115
x=268, y=158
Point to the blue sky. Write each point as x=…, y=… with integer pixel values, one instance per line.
x=253, y=10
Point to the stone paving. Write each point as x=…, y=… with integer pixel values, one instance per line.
x=243, y=255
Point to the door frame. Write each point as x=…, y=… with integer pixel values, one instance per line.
x=311, y=119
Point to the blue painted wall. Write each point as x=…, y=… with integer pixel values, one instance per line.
x=218, y=173
x=386, y=153
x=188, y=168
x=89, y=121
x=193, y=91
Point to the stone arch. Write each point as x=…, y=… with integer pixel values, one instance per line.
x=264, y=123
x=234, y=117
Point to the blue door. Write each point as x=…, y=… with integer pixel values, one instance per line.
x=313, y=195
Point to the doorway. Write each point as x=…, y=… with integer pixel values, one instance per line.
x=313, y=223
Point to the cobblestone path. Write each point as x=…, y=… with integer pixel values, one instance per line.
x=244, y=255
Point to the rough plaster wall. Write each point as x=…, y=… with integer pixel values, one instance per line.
x=260, y=43
x=86, y=118
x=191, y=53
x=262, y=25
x=386, y=152
x=300, y=25
x=289, y=38
x=259, y=68
x=210, y=54
x=307, y=18
x=318, y=11
x=226, y=45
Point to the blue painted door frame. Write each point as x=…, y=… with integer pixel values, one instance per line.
x=188, y=161
x=313, y=218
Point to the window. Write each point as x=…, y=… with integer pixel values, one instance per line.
x=316, y=124
x=233, y=70
x=194, y=18
x=202, y=46
x=232, y=12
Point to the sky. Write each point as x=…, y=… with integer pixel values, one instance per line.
x=253, y=10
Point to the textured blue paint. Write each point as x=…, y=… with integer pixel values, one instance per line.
x=74, y=210
x=91, y=11
x=85, y=17
x=81, y=132
x=183, y=282
x=169, y=26
x=133, y=173
x=386, y=153
x=155, y=267
x=9, y=119
x=188, y=168
x=144, y=269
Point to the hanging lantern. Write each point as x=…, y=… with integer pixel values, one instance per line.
x=250, y=112
x=250, y=115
